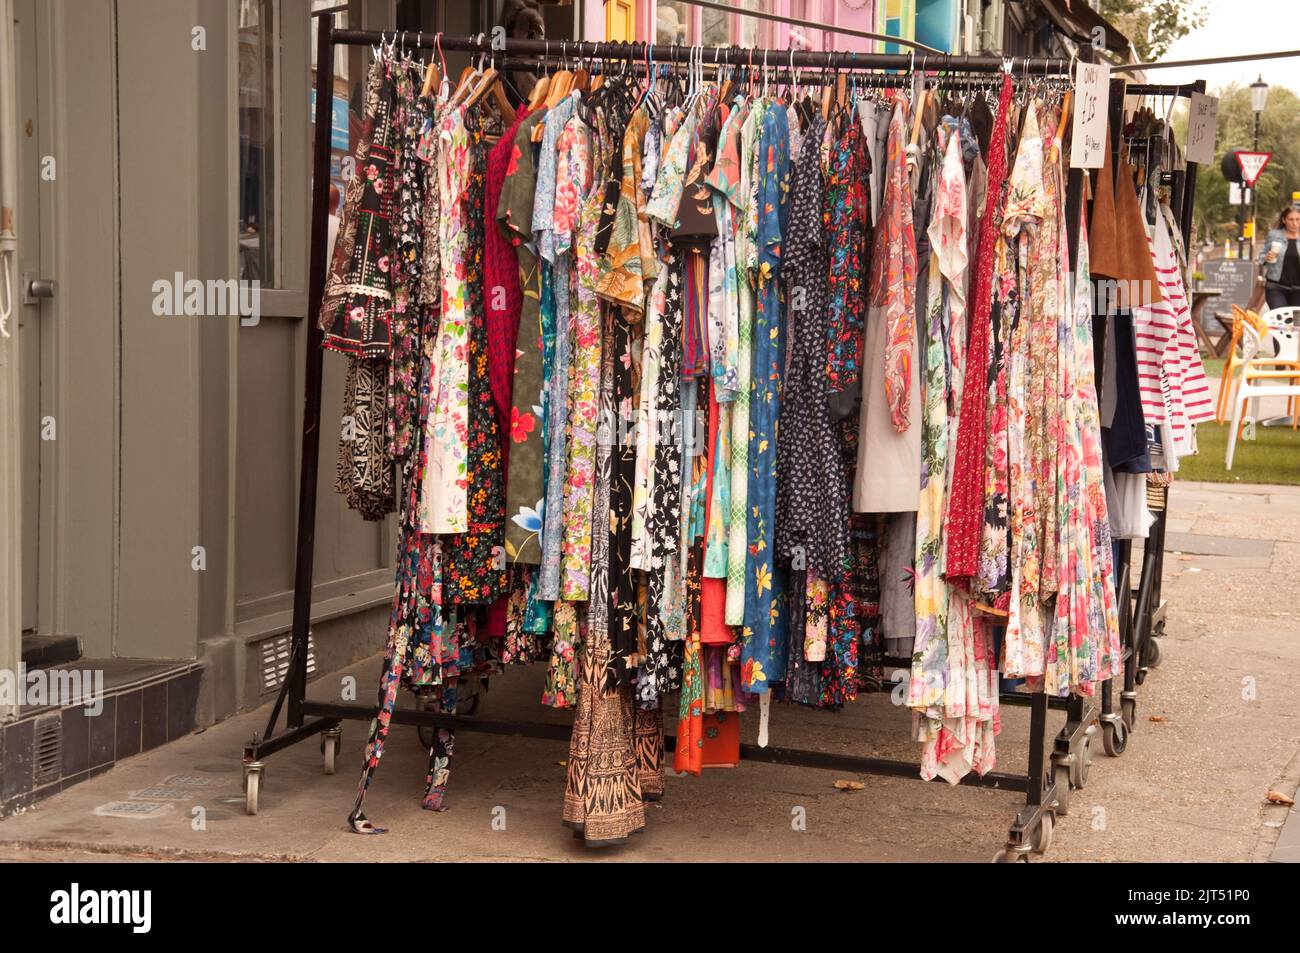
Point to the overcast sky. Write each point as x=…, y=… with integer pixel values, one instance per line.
x=1235, y=27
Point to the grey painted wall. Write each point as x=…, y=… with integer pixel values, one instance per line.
x=176, y=432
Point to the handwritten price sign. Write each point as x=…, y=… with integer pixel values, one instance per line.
x=1201, y=128
x=1091, y=107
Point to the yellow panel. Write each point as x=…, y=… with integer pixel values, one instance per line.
x=620, y=20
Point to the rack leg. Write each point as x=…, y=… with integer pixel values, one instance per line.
x=1031, y=831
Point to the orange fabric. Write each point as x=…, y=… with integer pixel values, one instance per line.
x=1137, y=272
x=1103, y=260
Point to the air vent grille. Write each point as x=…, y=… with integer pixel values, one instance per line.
x=48, y=749
x=275, y=660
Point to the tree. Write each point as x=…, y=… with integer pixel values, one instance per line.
x=1216, y=220
x=1153, y=25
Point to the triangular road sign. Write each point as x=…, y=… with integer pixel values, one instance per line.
x=1252, y=164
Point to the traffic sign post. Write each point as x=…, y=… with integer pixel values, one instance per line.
x=1252, y=164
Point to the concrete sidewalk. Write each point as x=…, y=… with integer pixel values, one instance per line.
x=1218, y=727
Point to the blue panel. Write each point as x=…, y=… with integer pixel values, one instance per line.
x=338, y=123
x=936, y=23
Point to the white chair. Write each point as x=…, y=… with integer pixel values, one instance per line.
x=1277, y=375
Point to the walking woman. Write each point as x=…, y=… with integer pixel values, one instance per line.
x=1281, y=260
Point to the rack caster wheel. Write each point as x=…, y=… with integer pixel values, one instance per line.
x=1061, y=777
x=1151, y=654
x=1114, y=737
x=1009, y=855
x=1081, y=767
x=330, y=741
x=1128, y=711
x=252, y=785
x=1043, y=838
x=1140, y=676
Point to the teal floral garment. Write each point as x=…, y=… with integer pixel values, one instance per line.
x=763, y=654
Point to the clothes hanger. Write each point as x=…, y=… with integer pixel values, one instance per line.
x=827, y=90
x=538, y=93
x=725, y=90
x=432, y=75
x=918, y=109
x=582, y=76
x=561, y=81
x=491, y=83
x=598, y=80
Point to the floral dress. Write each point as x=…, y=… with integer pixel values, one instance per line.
x=444, y=506
x=524, y=484
x=474, y=565
x=763, y=654
x=743, y=199
x=846, y=228
x=584, y=376
x=965, y=507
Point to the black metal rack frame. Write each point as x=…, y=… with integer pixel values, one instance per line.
x=1046, y=787
x=1144, y=621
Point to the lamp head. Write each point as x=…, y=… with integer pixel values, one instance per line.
x=1258, y=95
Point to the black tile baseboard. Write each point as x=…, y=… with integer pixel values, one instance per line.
x=135, y=717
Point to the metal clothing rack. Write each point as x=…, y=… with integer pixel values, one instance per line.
x=1048, y=780
x=1144, y=612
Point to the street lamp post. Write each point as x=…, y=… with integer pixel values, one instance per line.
x=1258, y=99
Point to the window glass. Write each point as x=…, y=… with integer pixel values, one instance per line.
x=258, y=87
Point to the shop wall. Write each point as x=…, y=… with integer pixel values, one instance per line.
x=176, y=432
x=80, y=592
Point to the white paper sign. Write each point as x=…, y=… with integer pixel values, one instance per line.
x=1091, y=108
x=1201, y=127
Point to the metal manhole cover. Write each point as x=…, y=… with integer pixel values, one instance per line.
x=187, y=781
x=135, y=810
x=160, y=793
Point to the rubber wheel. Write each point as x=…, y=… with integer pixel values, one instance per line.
x=252, y=790
x=1082, y=765
x=1114, y=738
x=1151, y=656
x=1140, y=676
x=1061, y=776
x=1128, y=711
x=329, y=747
x=1043, y=839
x=1006, y=856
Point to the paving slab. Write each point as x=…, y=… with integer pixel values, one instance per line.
x=1203, y=545
x=1218, y=726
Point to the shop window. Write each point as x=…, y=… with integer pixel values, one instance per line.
x=687, y=24
x=346, y=109
x=256, y=239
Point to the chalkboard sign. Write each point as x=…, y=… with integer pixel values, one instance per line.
x=1232, y=276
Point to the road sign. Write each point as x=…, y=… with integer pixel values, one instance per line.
x=1252, y=164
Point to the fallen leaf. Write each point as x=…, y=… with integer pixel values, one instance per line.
x=1157, y=718
x=849, y=785
x=563, y=764
x=1277, y=797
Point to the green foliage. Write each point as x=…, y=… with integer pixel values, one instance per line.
x=1153, y=25
x=1215, y=218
